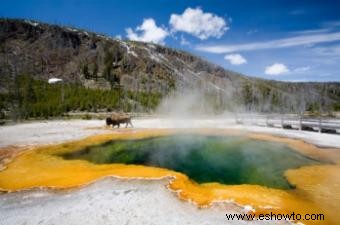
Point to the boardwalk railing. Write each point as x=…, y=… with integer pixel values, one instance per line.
x=306, y=123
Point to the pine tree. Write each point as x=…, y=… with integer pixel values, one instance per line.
x=95, y=71
x=85, y=71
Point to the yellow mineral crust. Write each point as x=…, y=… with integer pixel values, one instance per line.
x=317, y=189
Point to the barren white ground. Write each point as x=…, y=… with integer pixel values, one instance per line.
x=57, y=131
x=112, y=201
x=48, y=132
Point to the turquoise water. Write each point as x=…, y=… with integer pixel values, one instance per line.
x=226, y=160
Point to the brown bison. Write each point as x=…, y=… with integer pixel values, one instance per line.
x=117, y=119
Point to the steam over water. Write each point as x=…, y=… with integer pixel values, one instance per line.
x=227, y=160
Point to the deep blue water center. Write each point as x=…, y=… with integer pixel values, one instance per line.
x=226, y=160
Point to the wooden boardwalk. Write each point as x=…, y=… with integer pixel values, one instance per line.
x=312, y=124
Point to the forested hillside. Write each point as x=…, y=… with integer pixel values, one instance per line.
x=100, y=73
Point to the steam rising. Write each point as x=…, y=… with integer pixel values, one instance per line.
x=200, y=94
x=200, y=99
x=183, y=104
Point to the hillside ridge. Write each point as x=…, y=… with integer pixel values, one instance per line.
x=96, y=61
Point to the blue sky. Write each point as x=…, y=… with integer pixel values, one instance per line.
x=282, y=40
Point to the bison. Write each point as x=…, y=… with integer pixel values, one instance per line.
x=117, y=119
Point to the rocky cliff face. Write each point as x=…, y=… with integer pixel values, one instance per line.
x=44, y=51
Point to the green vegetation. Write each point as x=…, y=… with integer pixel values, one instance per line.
x=336, y=107
x=227, y=160
x=29, y=98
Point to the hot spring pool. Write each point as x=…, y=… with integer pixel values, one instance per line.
x=226, y=160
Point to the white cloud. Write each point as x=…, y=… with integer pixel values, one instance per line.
x=147, y=32
x=301, y=69
x=329, y=51
x=297, y=12
x=250, y=32
x=198, y=23
x=184, y=41
x=235, y=59
x=334, y=24
x=312, y=31
x=276, y=69
x=301, y=40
